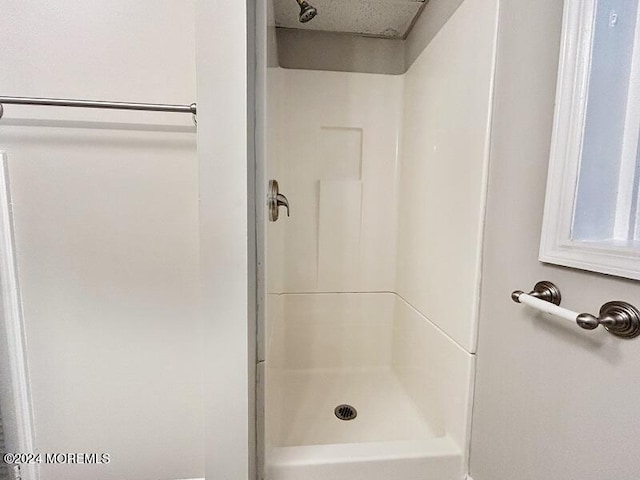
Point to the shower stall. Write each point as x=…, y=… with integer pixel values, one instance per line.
x=371, y=284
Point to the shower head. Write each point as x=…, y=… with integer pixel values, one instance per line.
x=307, y=12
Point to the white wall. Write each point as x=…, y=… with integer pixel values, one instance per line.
x=552, y=401
x=443, y=165
x=106, y=219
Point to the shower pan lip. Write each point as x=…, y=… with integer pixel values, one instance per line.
x=438, y=454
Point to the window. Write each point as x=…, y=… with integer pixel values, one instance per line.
x=592, y=211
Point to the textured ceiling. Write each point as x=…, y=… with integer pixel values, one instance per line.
x=381, y=18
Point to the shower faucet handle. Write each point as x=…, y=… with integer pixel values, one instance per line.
x=281, y=201
x=275, y=200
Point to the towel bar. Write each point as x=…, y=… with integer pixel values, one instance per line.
x=618, y=318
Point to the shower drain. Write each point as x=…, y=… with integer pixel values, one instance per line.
x=345, y=412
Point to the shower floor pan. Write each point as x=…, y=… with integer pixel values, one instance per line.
x=388, y=440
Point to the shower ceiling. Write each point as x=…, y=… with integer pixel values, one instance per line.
x=379, y=18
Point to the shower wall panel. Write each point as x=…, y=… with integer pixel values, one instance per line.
x=332, y=331
x=435, y=371
x=447, y=107
x=336, y=155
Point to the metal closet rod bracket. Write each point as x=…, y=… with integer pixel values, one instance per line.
x=618, y=318
x=61, y=102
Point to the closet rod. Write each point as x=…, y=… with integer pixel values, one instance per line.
x=59, y=102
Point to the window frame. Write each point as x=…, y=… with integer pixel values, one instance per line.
x=556, y=245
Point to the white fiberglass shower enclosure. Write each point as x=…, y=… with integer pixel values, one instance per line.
x=372, y=281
